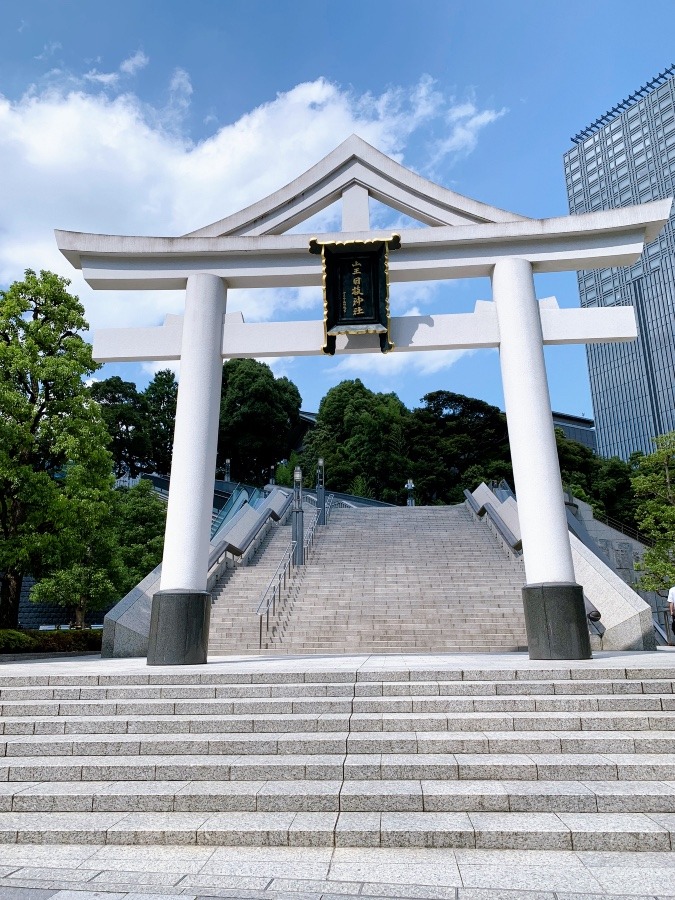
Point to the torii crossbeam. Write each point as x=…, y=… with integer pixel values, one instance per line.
x=464, y=239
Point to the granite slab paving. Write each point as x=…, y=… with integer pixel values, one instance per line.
x=375, y=892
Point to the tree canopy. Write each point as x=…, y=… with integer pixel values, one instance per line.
x=371, y=444
x=140, y=423
x=113, y=542
x=126, y=417
x=160, y=402
x=654, y=485
x=52, y=437
x=459, y=441
x=258, y=413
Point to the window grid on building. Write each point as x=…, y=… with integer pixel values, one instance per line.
x=624, y=158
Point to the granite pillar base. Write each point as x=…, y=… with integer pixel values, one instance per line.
x=179, y=628
x=555, y=619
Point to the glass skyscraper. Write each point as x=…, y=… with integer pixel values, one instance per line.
x=627, y=156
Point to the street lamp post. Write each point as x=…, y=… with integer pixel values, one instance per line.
x=320, y=492
x=298, y=525
x=227, y=470
x=410, y=488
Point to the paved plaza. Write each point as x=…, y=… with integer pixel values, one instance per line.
x=81, y=869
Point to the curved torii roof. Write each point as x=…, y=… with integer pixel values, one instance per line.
x=465, y=238
x=355, y=162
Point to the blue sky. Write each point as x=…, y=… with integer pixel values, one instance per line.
x=158, y=116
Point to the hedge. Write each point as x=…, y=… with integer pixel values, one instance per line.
x=49, y=641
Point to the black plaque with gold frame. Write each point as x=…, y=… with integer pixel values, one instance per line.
x=355, y=288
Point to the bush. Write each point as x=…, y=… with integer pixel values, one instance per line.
x=15, y=641
x=49, y=641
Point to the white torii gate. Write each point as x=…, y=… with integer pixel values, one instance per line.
x=464, y=239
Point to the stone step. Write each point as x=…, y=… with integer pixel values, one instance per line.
x=339, y=796
x=252, y=672
x=350, y=767
x=489, y=830
x=318, y=705
x=338, y=742
x=420, y=724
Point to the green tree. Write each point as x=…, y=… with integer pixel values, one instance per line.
x=113, y=538
x=51, y=431
x=654, y=484
x=363, y=438
x=459, y=441
x=90, y=571
x=258, y=413
x=604, y=483
x=160, y=401
x=125, y=413
x=139, y=520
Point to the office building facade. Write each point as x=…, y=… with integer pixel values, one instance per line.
x=627, y=156
x=577, y=428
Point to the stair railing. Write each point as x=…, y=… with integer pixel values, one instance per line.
x=309, y=535
x=275, y=590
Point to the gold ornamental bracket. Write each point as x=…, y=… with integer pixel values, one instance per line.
x=355, y=277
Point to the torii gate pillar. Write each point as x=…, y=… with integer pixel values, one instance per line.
x=555, y=614
x=181, y=609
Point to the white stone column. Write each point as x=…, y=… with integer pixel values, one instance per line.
x=536, y=471
x=188, y=520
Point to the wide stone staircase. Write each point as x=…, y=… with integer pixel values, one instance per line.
x=404, y=580
x=417, y=753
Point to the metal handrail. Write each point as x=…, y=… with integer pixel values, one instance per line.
x=272, y=593
x=280, y=580
x=329, y=505
x=309, y=534
x=624, y=529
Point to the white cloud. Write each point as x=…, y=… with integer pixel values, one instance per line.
x=466, y=122
x=108, y=79
x=159, y=365
x=387, y=365
x=48, y=49
x=128, y=67
x=180, y=94
x=135, y=63
x=76, y=157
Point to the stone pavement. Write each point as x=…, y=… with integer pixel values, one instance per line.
x=68, y=872
x=81, y=869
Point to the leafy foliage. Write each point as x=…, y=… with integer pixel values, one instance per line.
x=125, y=415
x=89, y=567
x=654, y=485
x=52, y=436
x=49, y=641
x=604, y=483
x=362, y=437
x=258, y=413
x=139, y=528
x=160, y=403
x=459, y=441
x=140, y=423
x=114, y=541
